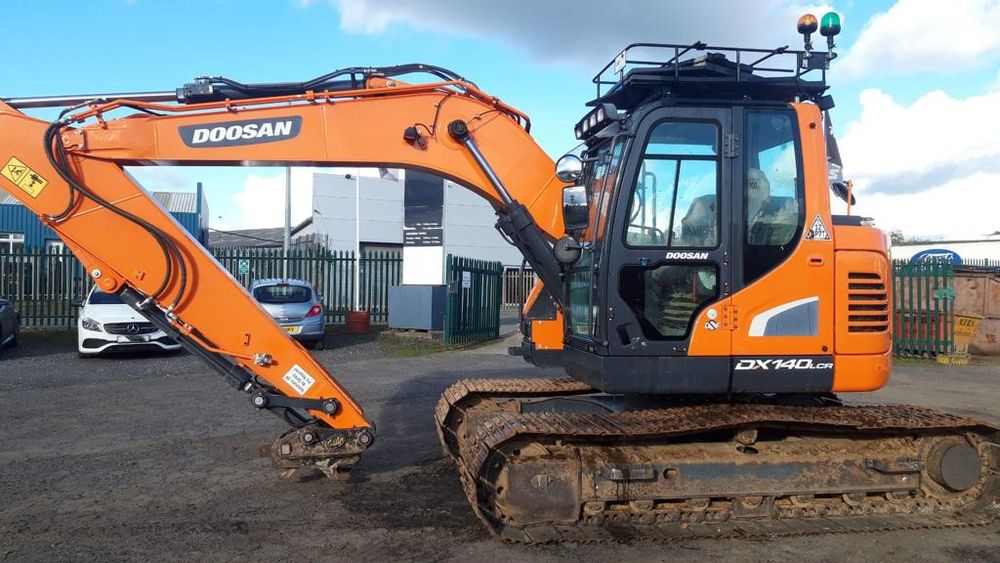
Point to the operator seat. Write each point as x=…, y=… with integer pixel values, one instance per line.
x=698, y=224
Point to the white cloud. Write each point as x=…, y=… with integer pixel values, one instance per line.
x=260, y=203
x=960, y=209
x=588, y=32
x=931, y=168
x=894, y=148
x=926, y=35
x=161, y=178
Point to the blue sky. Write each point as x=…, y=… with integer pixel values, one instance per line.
x=539, y=56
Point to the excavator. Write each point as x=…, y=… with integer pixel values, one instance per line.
x=705, y=303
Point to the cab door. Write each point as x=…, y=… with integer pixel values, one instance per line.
x=783, y=257
x=669, y=276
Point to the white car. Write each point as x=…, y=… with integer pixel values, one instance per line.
x=107, y=324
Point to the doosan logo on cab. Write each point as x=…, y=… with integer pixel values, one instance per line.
x=248, y=131
x=686, y=256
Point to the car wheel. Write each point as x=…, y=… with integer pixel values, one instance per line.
x=319, y=345
x=17, y=335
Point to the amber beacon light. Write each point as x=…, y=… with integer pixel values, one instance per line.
x=807, y=26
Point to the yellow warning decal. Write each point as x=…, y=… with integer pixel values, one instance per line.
x=23, y=177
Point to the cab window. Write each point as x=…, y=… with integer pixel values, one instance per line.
x=601, y=176
x=674, y=199
x=773, y=190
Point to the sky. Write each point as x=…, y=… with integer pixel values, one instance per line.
x=917, y=83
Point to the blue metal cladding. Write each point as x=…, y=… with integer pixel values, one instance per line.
x=18, y=219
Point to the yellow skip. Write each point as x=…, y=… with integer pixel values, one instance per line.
x=23, y=177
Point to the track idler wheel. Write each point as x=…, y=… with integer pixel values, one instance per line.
x=954, y=464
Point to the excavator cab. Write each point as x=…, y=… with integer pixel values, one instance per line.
x=706, y=186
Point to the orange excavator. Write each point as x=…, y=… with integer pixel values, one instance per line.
x=704, y=301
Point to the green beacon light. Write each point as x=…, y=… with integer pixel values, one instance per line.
x=829, y=27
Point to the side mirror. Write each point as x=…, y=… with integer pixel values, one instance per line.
x=567, y=251
x=569, y=168
x=576, y=212
x=76, y=303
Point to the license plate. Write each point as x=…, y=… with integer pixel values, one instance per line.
x=293, y=329
x=132, y=339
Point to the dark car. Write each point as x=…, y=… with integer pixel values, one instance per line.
x=10, y=322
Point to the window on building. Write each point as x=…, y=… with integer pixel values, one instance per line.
x=11, y=243
x=55, y=247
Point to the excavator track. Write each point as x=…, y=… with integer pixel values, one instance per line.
x=714, y=469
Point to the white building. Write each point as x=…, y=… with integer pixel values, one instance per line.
x=424, y=216
x=971, y=248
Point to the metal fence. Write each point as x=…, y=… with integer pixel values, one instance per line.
x=472, y=304
x=924, y=306
x=516, y=285
x=43, y=285
x=330, y=273
x=981, y=264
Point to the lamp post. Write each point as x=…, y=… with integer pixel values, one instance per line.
x=357, y=240
x=287, y=240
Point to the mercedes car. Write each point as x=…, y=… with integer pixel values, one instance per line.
x=107, y=325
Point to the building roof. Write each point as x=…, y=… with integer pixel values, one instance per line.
x=174, y=202
x=993, y=237
x=265, y=238
x=178, y=202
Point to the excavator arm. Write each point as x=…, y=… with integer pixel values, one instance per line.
x=70, y=173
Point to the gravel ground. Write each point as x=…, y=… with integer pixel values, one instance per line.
x=155, y=458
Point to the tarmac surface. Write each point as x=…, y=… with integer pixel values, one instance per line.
x=156, y=458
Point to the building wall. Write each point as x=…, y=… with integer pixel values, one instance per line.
x=334, y=209
x=469, y=231
x=16, y=218
x=468, y=218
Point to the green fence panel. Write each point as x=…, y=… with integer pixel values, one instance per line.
x=924, y=308
x=330, y=272
x=43, y=284
x=472, y=304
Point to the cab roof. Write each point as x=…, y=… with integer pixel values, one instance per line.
x=698, y=71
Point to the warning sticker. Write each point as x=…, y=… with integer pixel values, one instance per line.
x=23, y=177
x=299, y=379
x=818, y=230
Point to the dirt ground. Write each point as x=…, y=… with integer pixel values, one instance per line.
x=156, y=458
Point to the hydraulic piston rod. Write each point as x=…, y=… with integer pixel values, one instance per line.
x=77, y=99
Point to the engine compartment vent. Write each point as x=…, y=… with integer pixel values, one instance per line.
x=867, y=302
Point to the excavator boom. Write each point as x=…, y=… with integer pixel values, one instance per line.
x=70, y=173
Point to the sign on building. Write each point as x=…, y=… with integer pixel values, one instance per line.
x=423, y=205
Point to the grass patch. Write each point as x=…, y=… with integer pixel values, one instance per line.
x=403, y=346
